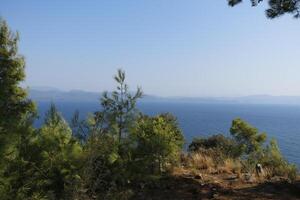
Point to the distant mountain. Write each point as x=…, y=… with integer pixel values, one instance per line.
x=44, y=88
x=63, y=96
x=254, y=99
x=55, y=95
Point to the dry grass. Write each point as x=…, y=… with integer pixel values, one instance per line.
x=200, y=161
x=230, y=166
x=210, y=164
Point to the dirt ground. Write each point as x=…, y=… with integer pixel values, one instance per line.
x=185, y=185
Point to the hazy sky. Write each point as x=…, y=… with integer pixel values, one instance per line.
x=169, y=47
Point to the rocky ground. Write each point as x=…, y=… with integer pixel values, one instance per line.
x=186, y=185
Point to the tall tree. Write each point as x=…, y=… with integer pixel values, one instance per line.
x=247, y=137
x=276, y=7
x=119, y=108
x=14, y=104
x=16, y=112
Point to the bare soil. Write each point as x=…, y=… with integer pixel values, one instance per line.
x=223, y=186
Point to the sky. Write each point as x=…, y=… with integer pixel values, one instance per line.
x=168, y=47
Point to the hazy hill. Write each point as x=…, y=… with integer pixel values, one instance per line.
x=52, y=94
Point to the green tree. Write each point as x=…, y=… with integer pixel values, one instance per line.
x=16, y=113
x=101, y=165
x=17, y=171
x=119, y=108
x=247, y=137
x=158, y=141
x=60, y=156
x=224, y=146
x=276, y=7
x=275, y=164
x=107, y=147
x=15, y=107
x=48, y=165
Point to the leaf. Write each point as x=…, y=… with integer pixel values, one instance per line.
x=113, y=157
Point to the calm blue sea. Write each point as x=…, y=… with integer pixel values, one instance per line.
x=281, y=122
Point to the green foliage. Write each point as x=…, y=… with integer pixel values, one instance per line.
x=100, y=169
x=16, y=116
x=13, y=99
x=225, y=147
x=119, y=108
x=248, y=138
x=14, y=105
x=60, y=154
x=158, y=141
x=47, y=165
x=250, y=143
x=275, y=163
x=17, y=171
x=108, y=146
x=122, y=146
x=276, y=7
x=247, y=146
x=103, y=156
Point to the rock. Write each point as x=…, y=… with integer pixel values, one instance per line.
x=232, y=177
x=199, y=176
x=247, y=176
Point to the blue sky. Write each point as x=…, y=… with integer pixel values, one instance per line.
x=169, y=47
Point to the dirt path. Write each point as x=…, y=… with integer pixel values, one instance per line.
x=219, y=186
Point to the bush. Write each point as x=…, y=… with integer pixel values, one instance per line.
x=200, y=161
x=275, y=164
x=243, y=151
x=223, y=146
x=101, y=155
x=247, y=137
x=231, y=166
x=157, y=141
x=48, y=165
x=59, y=157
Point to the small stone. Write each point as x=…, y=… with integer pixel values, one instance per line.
x=198, y=176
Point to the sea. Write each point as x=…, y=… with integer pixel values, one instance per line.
x=281, y=122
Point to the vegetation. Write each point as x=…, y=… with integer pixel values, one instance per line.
x=276, y=7
x=245, y=148
x=158, y=142
x=224, y=146
x=112, y=153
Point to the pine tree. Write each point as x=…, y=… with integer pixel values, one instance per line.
x=276, y=7
x=119, y=108
x=16, y=113
x=14, y=103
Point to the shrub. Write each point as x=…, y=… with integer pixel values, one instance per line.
x=48, y=165
x=223, y=146
x=247, y=137
x=59, y=157
x=275, y=163
x=157, y=141
x=243, y=151
x=231, y=166
x=201, y=161
x=101, y=155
